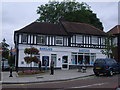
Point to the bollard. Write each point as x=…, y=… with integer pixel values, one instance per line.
x=10, y=72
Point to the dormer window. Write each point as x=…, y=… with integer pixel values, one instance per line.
x=59, y=40
x=24, y=38
x=41, y=39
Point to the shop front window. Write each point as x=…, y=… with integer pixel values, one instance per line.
x=65, y=59
x=45, y=60
x=78, y=58
x=74, y=59
x=87, y=59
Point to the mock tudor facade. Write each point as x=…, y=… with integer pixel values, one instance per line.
x=67, y=43
x=115, y=31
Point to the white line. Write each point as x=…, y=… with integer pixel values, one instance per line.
x=97, y=84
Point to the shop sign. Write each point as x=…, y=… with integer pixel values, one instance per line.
x=46, y=49
x=84, y=51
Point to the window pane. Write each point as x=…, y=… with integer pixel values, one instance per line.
x=24, y=38
x=79, y=39
x=94, y=40
x=59, y=40
x=41, y=39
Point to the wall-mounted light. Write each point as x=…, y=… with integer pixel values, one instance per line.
x=58, y=59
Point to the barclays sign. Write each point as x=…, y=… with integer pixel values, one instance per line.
x=84, y=51
x=46, y=49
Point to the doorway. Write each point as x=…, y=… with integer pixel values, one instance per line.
x=65, y=63
x=54, y=58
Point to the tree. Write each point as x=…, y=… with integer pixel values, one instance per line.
x=70, y=11
x=109, y=47
x=30, y=58
x=5, y=52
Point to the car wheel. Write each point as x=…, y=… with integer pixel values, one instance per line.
x=111, y=73
x=97, y=74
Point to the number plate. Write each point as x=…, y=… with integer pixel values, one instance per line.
x=98, y=68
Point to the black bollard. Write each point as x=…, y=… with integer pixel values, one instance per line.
x=10, y=72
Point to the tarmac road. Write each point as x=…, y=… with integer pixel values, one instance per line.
x=86, y=83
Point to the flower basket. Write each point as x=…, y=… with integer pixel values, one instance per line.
x=31, y=51
x=35, y=59
x=28, y=59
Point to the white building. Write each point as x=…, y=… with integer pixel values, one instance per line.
x=67, y=43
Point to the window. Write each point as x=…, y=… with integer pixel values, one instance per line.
x=94, y=40
x=103, y=41
x=35, y=64
x=40, y=39
x=59, y=40
x=115, y=41
x=24, y=38
x=79, y=39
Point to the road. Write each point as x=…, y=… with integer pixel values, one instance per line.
x=91, y=82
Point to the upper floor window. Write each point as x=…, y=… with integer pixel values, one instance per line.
x=40, y=39
x=103, y=41
x=79, y=39
x=94, y=40
x=59, y=40
x=24, y=38
x=115, y=41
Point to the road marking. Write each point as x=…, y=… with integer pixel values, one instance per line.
x=97, y=84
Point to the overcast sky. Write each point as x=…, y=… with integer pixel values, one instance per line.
x=16, y=15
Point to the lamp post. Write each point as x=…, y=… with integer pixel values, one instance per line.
x=3, y=43
x=11, y=63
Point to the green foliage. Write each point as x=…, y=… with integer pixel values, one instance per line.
x=109, y=46
x=5, y=49
x=31, y=51
x=70, y=11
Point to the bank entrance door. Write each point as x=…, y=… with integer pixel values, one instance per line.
x=65, y=65
x=54, y=58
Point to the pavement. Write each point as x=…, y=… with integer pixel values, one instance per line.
x=59, y=75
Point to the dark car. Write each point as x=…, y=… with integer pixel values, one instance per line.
x=106, y=66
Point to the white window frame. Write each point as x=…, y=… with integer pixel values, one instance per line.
x=40, y=39
x=59, y=39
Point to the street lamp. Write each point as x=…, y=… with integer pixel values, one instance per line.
x=3, y=43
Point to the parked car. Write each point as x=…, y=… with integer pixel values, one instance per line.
x=106, y=66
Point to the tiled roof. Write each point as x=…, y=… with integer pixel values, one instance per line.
x=43, y=28
x=64, y=28
x=115, y=30
x=81, y=28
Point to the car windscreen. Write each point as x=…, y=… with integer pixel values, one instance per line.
x=100, y=61
x=110, y=61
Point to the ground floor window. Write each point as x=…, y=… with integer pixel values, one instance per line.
x=77, y=58
x=45, y=60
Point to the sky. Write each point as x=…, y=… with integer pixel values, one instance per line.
x=16, y=15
